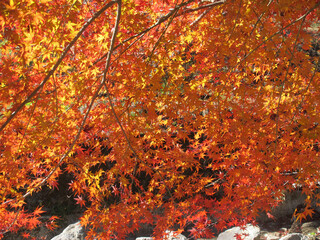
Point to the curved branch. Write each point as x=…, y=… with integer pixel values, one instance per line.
x=188, y=10
x=161, y=20
x=54, y=68
x=129, y=143
x=162, y=34
x=282, y=87
x=91, y=103
x=279, y=32
x=92, y=100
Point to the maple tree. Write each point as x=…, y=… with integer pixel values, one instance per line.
x=172, y=113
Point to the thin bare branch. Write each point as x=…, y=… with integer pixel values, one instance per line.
x=54, y=68
x=129, y=143
x=189, y=10
x=200, y=17
x=11, y=224
x=161, y=20
x=92, y=100
x=282, y=87
x=279, y=32
x=91, y=103
x=299, y=106
x=236, y=20
x=162, y=34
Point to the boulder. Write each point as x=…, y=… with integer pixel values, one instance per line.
x=72, y=232
x=294, y=236
x=265, y=235
x=310, y=228
x=249, y=232
x=169, y=236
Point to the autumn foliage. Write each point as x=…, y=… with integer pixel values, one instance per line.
x=173, y=113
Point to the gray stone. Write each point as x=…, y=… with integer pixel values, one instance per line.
x=269, y=235
x=249, y=232
x=169, y=236
x=294, y=236
x=310, y=227
x=72, y=232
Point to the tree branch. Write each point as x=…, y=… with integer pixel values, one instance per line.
x=161, y=20
x=280, y=31
x=54, y=68
x=93, y=98
x=189, y=10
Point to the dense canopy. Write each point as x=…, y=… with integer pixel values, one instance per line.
x=175, y=113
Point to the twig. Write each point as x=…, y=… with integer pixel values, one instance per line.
x=303, y=96
x=164, y=18
x=282, y=87
x=129, y=143
x=11, y=224
x=54, y=68
x=92, y=101
x=200, y=17
x=280, y=31
x=189, y=10
x=161, y=20
x=162, y=34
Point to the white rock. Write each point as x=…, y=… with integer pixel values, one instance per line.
x=72, y=232
x=249, y=232
x=169, y=236
x=294, y=236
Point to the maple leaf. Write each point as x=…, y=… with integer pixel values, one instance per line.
x=51, y=223
x=38, y=211
x=193, y=231
x=25, y=235
x=307, y=212
x=80, y=201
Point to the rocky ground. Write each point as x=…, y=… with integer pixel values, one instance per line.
x=269, y=229
x=70, y=229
